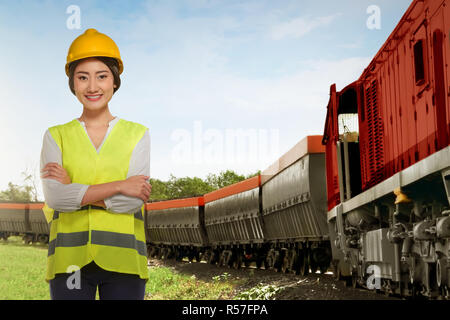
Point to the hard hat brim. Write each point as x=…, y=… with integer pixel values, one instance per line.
x=89, y=56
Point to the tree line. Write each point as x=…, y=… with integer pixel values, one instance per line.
x=174, y=188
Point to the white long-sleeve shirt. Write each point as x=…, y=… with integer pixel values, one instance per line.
x=68, y=197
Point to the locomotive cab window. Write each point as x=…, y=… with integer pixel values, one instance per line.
x=419, y=63
x=348, y=116
x=348, y=124
x=348, y=127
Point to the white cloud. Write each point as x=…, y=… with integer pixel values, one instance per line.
x=295, y=105
x=352, y=45
x=299, y=27
x=305, y=89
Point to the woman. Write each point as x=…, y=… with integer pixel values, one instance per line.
x=95, y=172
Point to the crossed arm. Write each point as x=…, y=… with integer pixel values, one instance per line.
x=118, y=196
x=135, y=186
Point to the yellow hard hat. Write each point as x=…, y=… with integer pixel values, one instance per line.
x=93, y=44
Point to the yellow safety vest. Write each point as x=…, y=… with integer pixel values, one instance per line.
x=115, y=241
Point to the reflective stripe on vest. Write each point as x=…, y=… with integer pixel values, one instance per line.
x=93, y=233
x=74, y=239
x=113, y=239
x=137, y=214
x=105, y=238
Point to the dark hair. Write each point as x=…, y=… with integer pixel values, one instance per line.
x=112, y=64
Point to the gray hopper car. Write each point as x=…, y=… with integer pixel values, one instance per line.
x=175, y=228
x=25, y=219
x=294, y=209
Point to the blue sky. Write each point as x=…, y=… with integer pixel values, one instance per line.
x=197, y=73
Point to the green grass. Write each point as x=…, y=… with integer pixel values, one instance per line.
x=164, y=284
x=22, y=277
x=22, y=270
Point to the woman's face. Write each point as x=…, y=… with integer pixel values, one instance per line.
x=93, y=84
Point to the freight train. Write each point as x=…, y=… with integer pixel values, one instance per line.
x=370, y=197
x=276, y=219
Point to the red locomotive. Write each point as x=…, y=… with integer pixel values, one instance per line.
x=388, y=161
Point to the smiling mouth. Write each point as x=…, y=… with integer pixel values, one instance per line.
x=94, y=97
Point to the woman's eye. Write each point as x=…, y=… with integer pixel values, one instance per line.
x=103, y=76
x=82, y=78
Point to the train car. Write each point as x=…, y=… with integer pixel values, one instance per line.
x=234, y=225
x=294, y=209
x=24, y=219
x=388, y=161
x=175, y=228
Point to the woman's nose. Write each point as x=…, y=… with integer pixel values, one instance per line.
x=92, y=86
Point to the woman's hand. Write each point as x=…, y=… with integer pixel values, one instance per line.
x=54, y=171
x=136, y=186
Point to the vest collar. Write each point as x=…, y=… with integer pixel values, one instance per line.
x=114, y=122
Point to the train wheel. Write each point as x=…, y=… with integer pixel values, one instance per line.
x=209, y=256
x=225, y=257
x=347, y=280
x=304, y=263
x=247, y=258
x=191, y=255
x=355, y=283
x=178, y=254
x=259, y=261
x=279, y=257
x=445, y=293
x=288, y=261
x=28, y=239
x=388, y=288
x=414, y=291
x=206, y=256
x=151, y=251
x=212, y=257
x=296, y=263
x=169, y=253
x=43, y=238
x=164, y=253
x=221, y=259
x=269, y=262
x=237, y=263
x=229, y=259
x=336, y=271
x=159, y=253
x=312, y=262
x=323, y=269
x=313, y=266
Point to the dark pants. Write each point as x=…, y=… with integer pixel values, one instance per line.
x=111, y=285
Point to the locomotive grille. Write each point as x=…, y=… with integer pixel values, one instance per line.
x=375, y=148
